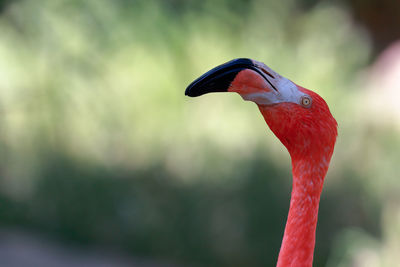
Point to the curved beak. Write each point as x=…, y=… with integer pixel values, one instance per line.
x=220, y=78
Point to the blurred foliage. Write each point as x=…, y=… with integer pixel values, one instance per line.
x=100, y=146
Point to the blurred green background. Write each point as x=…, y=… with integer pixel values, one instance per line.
x=100, y=147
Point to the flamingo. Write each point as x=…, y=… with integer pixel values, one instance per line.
x=303, y=123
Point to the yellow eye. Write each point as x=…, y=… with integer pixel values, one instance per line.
x=306, y=101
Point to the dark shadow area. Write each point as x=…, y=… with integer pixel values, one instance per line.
x=238, y=222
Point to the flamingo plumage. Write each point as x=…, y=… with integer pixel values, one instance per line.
x=302, y=121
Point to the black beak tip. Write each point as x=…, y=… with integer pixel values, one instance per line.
x=194, y=89
x=188, y=91
x=219, y=78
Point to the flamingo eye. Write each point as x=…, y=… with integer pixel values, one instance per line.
x=306, y=101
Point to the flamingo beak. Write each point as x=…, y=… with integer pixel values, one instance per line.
x=251, y=79
x=219, y=79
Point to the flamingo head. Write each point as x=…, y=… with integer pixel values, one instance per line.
x=299, y=117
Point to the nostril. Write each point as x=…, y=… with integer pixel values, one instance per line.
x=257, y=69
x=266, y=72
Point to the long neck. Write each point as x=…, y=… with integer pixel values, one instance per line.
x=298, y=242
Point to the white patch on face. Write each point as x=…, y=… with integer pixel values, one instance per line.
x=286, y=91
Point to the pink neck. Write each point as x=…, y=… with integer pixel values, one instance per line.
x=298, y=242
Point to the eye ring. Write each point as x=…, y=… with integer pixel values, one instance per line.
x=306, y=101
